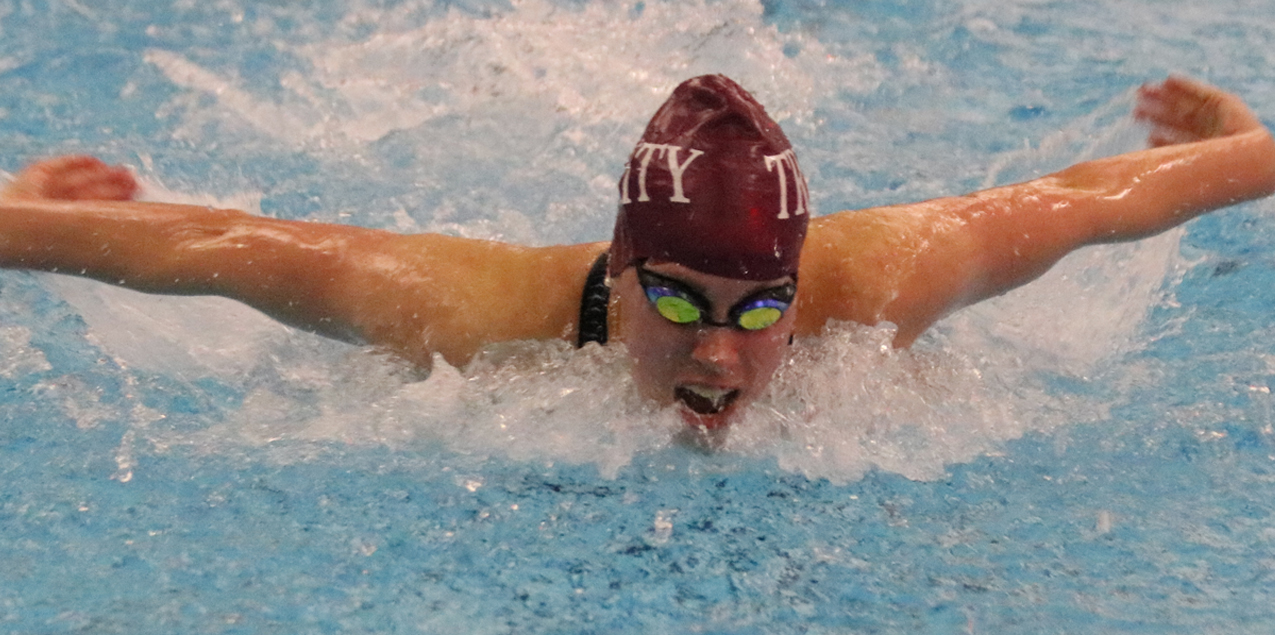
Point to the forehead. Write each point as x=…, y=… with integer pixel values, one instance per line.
x=710, y=284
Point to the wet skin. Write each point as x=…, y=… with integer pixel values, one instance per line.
x=695, y=365
x=423, y=295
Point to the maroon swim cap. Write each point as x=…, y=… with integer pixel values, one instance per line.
x=713, y=185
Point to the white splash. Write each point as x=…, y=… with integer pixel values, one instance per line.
x=517, y=122
x=17, y=356
x=548, y=100
x=602, y=64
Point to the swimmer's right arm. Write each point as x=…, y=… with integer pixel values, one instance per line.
x=414, y=295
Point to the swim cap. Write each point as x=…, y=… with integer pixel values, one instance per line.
x=713, y=185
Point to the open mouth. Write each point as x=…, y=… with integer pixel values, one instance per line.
x=705, y=400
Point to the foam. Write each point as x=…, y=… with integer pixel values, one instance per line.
x=549, y=99
x=19, y=357
x=514, y=126
x=596, y=65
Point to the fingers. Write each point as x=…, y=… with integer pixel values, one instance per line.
x=1180, y=103
x=90, y=180
x=1178, y=110
x=1169, y=136
x=1181, y=110
x=74, y=178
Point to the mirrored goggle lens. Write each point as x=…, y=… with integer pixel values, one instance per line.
x=755, y=316
x=760, y=317
x=676, y=308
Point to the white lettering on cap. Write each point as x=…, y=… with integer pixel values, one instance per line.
x=787, y=160
x=643, y=153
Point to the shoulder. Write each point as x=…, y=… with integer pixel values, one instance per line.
x=455, y=295
x=488, y=263
x=885, y=263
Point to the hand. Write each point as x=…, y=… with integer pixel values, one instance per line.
x=72, y=178
x=1181, y=110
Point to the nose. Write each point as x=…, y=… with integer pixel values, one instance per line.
x=716, y=347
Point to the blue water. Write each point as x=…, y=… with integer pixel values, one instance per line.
x=1092, y=455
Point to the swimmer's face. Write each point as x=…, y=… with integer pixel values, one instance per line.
x=710, y=372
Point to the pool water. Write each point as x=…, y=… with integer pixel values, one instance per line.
x=1090, y=454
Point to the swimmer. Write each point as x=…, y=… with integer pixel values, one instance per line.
x=714, y=267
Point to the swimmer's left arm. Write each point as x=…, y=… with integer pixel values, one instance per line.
x=1208, y=151
x=913, y=264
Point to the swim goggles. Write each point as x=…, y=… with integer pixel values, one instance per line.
x=680, y=304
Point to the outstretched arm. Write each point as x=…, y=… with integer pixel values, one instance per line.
x=414, y=295
x=1208, y=151
x=924, y=261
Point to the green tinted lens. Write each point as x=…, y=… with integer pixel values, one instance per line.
x=759, y=318
x=676, y=309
